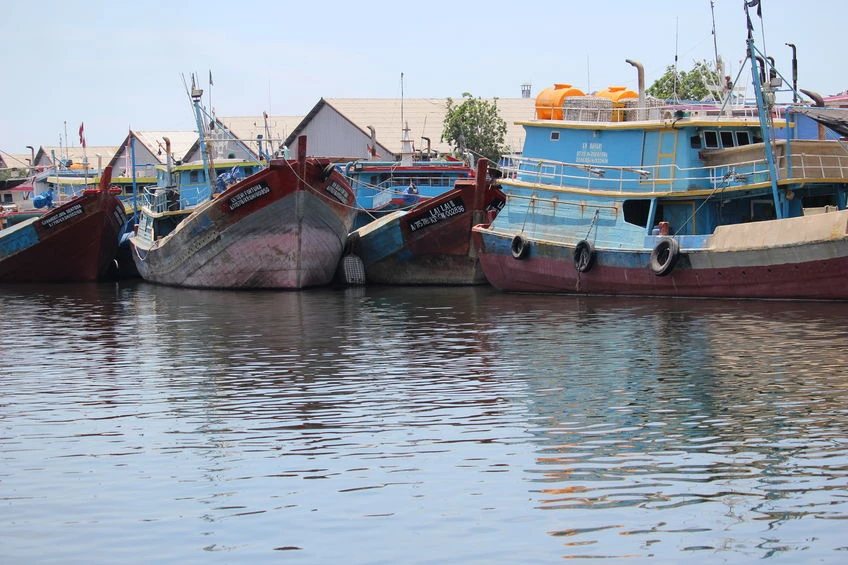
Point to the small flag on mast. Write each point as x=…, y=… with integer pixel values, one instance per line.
x=82, y=134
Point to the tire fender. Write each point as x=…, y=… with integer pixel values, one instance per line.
x=664, y=256
x=584, y=256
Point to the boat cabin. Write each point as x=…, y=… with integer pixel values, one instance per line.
x=686, y=168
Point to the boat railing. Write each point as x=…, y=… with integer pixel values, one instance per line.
x=810, y=162
x=657, y=178
x=671, y=177
x=155, y=198
x=402, y=182
x=814, y=166
x=601, y=109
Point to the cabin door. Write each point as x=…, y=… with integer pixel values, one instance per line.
x=666, y=157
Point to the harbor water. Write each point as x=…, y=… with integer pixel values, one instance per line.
x=148, y=424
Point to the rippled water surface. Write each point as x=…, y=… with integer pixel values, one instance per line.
x=146, y=424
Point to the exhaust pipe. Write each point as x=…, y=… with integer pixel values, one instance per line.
x=640, y=71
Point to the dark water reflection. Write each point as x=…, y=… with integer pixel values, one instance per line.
x=147, y=424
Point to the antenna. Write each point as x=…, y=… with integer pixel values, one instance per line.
x=211, y=107
x=676, y=22
x=401, y=102
x=715, y=40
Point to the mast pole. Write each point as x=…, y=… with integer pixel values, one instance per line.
x=401, y=104
x=765, y=126
x=134, y=182
x=715, y=40
x=196, y=96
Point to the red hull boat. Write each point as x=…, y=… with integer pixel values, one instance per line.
x=77, y=241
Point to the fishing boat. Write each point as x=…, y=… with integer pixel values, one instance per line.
x=75, y=241
x=179, y=190
x=431, y=242
x=620, y=194
x=382, y=187
x=283, y=227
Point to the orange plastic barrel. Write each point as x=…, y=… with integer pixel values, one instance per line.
x=618, y=94
x=549, y=101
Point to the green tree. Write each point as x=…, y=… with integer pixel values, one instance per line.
x=682, y=85
x=476, y=126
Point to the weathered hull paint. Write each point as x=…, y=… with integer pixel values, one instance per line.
x=431, y=243
x=284, y=227
x=74, y=242
x=796, y=268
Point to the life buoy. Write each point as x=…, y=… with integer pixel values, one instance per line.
x=664, y=256
x=584, y=256
x=519, y=246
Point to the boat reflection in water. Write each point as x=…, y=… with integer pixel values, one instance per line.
x=401, y=423
x=685, y=425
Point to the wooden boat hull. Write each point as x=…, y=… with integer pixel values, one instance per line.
x=77, y=241
x=795, y=258
x=284, y=227
x=431, y=243
x=384, y=187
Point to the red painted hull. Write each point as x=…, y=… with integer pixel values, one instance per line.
x=77, y=241
x=817, y=270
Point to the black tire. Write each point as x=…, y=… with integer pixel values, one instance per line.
x=328, y=170
x=584, y=256
x=520, y=247
x=664, y=256
x=352, y=243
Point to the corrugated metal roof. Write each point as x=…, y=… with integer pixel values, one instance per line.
x=14, y=160
x=77, y=154
x=248, y=128
x=181, y=142
x=425, y=117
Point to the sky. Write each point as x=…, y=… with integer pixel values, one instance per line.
x=116, y=66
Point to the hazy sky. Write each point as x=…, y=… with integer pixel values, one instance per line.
x=118, y=65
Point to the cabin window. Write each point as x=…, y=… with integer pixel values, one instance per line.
x=7, y=198
x=554, y=136
x=192, y=176
x=727, y=139
x=742, y=138
x=636, y=212
x=818, y=201
x=762, y=209
x=711, y=140
x=695, y=142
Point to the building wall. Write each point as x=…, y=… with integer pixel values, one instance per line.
x=222, y=147
x=144, y=162
x=329, y=134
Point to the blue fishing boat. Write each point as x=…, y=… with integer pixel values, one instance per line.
x=621, y=194
x=430, y=244
x=386, y=186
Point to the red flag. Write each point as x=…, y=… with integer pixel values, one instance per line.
x=82, y=134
